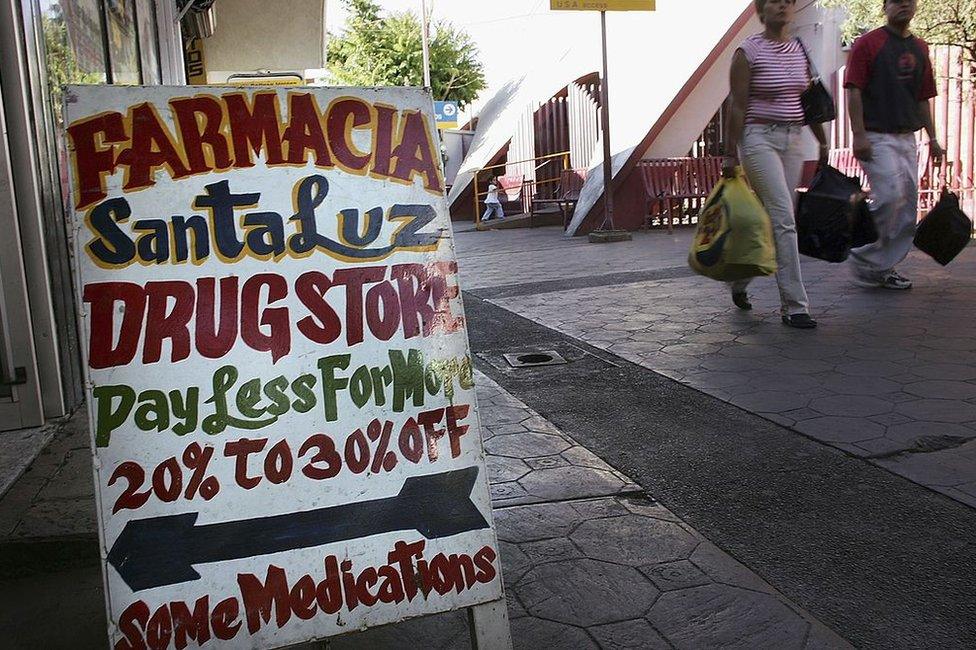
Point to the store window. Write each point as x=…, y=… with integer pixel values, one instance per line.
x=47, y=45
x=75, y=49
x=78, y=42
x=93, y=42
x=148, y=42
x=123, y=42
x=98, y=41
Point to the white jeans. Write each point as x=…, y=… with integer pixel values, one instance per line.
x=492, y=208
x=772, y=156
x=893, y=175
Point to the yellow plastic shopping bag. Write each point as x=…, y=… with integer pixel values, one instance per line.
x=734, y=239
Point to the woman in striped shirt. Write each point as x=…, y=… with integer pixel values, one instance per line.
x=769, y=72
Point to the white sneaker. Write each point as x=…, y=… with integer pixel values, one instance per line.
x=896, y=281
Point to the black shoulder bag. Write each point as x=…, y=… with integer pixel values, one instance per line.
x=818, y=105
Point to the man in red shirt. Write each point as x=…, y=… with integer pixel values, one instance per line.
x=890, y=82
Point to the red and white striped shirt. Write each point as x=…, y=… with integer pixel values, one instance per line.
x=779, y=75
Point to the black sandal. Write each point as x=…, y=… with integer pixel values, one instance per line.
x=800, y=321
x=741, y=300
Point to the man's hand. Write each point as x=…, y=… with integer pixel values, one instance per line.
x=936, y=152
x=729, y=163
x=862, y=147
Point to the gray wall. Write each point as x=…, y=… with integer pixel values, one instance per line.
x=266, y=35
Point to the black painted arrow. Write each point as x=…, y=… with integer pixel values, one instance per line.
x=160, y=551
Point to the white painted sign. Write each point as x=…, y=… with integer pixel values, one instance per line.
x=283, y=417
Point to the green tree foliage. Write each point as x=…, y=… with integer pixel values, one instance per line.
x=940, y=22
x=386, y=51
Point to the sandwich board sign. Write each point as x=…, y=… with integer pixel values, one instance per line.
x=283, y=421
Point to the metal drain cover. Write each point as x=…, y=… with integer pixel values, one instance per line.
x=534, y=358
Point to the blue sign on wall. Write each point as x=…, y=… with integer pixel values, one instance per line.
x=447, y=114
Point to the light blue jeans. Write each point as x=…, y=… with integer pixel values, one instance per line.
x=893, y=175
x=492, y=209
x=772, y=156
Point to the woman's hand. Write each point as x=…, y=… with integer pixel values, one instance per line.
x=729, y=163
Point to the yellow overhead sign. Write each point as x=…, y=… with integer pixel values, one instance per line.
x=602, y=5
x=269, y=79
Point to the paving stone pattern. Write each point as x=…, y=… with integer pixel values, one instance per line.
x=619, y=572
x=587, y=562
x=530, y=461
x=55, y=497
x=505, y=257
x=612, y=571
x=888, y=376
x=18, y=450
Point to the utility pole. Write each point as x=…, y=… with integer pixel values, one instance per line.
x=607, y=232
x=605, y=123
x=425, y=40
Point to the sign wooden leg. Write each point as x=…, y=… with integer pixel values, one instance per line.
x=488, y=624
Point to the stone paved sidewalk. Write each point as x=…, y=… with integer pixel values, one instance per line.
x=619, y=572
x=888, y=376
x=55, y=496
x=530, y=461
x=611, y=572
x=491, y=259
x=588, y=561
x=19, y=449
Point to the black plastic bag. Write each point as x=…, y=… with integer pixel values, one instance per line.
x=832, y=216
x=944, y=231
